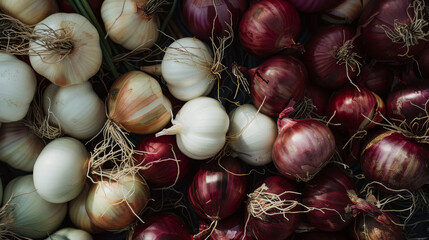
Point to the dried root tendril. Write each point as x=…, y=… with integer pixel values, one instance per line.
x=7, y=221
x=409, y=34
x=241, y=80
x=303, y=109
x=345, y=55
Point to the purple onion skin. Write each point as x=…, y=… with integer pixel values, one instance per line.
x=314, y=6
x=215, y=193
x=365, y=227
x=374, y=39
x=407, y=102
x=199, y=15
x=351, y=107
x=319, y=57
x=329, y=190
x=320, y=235
x=319, y=97
x=395, y=161
x=276, y=82
x=376, y=77
x=269, y=27
x=230, y=228
x=162, y=173
x=302, y=148
x=275, y=227
x=162, y=226
x=422, y=65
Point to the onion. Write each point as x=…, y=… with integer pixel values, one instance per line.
x=319, y=98
x=422, y=63
x=70, y=233
x=208, y=19
x=29, y=11
x=113, y=205
x=161, y=161
x=355, y=109
x=394, y=30
x=332, y=57
x=346, y=12
x=409, y=103
x=269, y=27
x=367, y=227
x=320, y=235
x=230, y=228
x=313, y=6
x=302, y=147
x=276, y=82
x=218, y=189
x=376, y=77
x=396, y=161
x=272, y=210
x=161, y=226
x=327, y=193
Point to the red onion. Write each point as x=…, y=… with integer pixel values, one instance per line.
x=313, y=6
x=394, y=30
x=272, y=210
x=395, y=161
x=376, y=77
x=354, y=109
x=320, y=235
x=332, y=57
x=328, y=193
x=276, y=82
x=269, y=27
x=302, y=147
x=319, y=98
x=161, y=162
x=383, y=227
x=230, y=228
x=409, y=103
x=217, y=191
x=199, y=15
x=422, y=63
x=161, y=226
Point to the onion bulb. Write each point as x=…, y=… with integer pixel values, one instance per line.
x=60, y=170
x=70, y=233
x=113, y=205
x=17, y=88
x=28, y=214
x=29, y=11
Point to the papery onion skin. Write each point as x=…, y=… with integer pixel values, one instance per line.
x=29, y=12
x=230, y=228
x=346, y=12
x=313, y=6
x=173, y=167
x=376, y=77
x=375, y=41
x=352, y=110
x=19, y=146
x=320, y=235
x=215, y=193
x=81, y=63
x=269, y=27
x=276, y=82
x=326, y=67
x=113, y=205
x=328, y=190
x=136, y=103
x=395, y=161
x=161, y=226
x=302, y=148
x=276, y=225
x=200, y=15
x=408, y=102
x=366, y=227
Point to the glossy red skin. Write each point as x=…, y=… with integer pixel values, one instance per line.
x=163, y=173
x=161, y=226
x=230, y=228
x=269, y=27
x=374, y=39
x=348, y=106
x=314, y=6
x=377, y=78
x=198, y=16
x=302, y=148
x=276, y=227
x=402, y=102
x=319, y=97
x=395, y=161
x=375, y=230
x=319, y=56
x=215, y=193
x=328, y=190
x=278, y=80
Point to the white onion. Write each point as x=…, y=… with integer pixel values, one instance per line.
x=60, y=170
x=70, y=234
x=29, y=11
x=33, y=217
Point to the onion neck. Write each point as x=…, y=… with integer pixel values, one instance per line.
x=173, y=130
x=284, y=121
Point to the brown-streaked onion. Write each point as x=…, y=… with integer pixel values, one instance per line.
x=346, y=12
x=113, y=205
